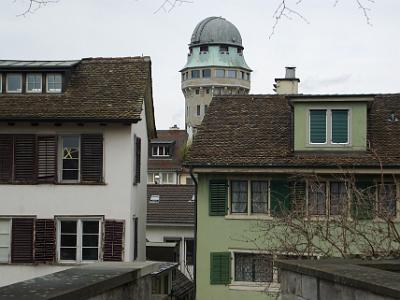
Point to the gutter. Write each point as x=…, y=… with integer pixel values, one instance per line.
x=195, y=229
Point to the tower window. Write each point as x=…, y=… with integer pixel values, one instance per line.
x=220, y=73
x=243, y=74
x=231, y=74
x=197, y=91
x=198, y=110
x=247, y=76
x=205, y=108
x=223, y=49
x=239, y=50
x=203, y=49
x=195, y=73
x=206, y=73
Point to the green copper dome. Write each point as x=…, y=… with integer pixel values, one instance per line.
x=216, y=30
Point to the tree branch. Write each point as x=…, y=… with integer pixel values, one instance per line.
x=34, y=5
x=168, y=5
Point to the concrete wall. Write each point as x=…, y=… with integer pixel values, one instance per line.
x=357, y=126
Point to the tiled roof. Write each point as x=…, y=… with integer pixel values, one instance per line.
x=179, y=137
x=99, y=89
x=175, y=206
x=257, y=131
x=182, y=286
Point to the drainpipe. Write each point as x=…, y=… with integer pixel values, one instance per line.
x=195, y=229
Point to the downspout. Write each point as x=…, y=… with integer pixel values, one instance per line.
x=195, y=229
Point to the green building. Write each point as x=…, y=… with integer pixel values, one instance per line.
x=260, y=157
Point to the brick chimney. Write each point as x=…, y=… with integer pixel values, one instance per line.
x=288, y=85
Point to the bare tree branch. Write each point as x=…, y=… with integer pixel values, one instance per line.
x=34, y=5
x=168, y=5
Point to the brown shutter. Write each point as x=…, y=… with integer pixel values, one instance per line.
x=25, y=158
x=138, y=143
x=92, y=158
x=113, y=240
x=45, y=240
x=47, y=158
x=6, y=158
x=22, y=240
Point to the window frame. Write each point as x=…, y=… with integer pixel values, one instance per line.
x=203, y=71
x=195, y=72
x=1, y=83
x=61, y=155
x=18, y=91
x=223, y=71
x=54, y=91
x=232, y=72
x=27, y=83
x=9, y=239
x=79, y=238
x=158, y=146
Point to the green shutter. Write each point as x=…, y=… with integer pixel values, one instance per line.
x=318, y=126
x=279, y=197
x=362, y=206
x=220, y=268
x=340, y=126
x=218, y=197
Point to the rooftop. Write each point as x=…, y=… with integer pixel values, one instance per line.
x=18, y=64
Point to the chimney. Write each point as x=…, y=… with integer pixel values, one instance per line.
x=175, y=127
x=288, y=85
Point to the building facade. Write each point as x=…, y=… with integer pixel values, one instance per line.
x=305, y=156
x=73, y=163
x=215, y=66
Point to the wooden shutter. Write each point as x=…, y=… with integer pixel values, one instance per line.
x=297, y=196
x=6, y=158
x=363, y=202
x=318, y=126
x=25, y=169
x=45, y=240
x=279, y=197
x=113, y=240
x=92, y=158
x=22, y=240
x=138, y=146
x=47, y=158
x=340, y=126
x=220, y=268
x=218, y=197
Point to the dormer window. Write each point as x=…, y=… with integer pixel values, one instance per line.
x=14, y=83
x=329, y=126
x=161, y=151
x=54, y=83
x=154, y=199
x=34, y=83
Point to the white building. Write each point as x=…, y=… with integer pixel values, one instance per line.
x=73, y=163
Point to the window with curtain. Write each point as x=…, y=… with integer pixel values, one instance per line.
x=252, y=267
x=239, y=196
x=317, y=198
x=259, y=196
x=337, y=198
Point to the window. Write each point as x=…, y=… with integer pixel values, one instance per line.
x=198, y=110
x=54, y=83
x=14, y=83
x=220, y=73
x=337, y=198
x=159, y=150
x=250, y=267
x=197, y=91
x=231, y=74
x=189, y=180
x=70, y=158
x=243, y=75
x=138, y=159
x=1, y=83
x=247, y=76
x=239, y=196
x=317, y=198
x=34, y=83
x=203, y=49
x=136, y=238
x=334, y=122
x=195, y=73
x=239, y=50
x=5, y=240
x=168, y=178
x=207, y=91
x=259, y=196
x=79, y=240
x=154, y=199
x=189, y=249
x=206, y=73
x=161, y=178
x=223, y=49
x=177, y=248
x=205, y=108
x=387, y=200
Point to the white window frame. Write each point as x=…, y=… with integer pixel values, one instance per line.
x=79, y=240
x=158, y=150
x=53, y=91
x=329, y=127
x=19, y=91
x=60, y=159
x=41, y=83
x=9, y=240
x=1, y=83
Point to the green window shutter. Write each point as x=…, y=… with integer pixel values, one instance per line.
x=340, y=126
x=362, y=206
x=318, y=126
x=280, y=197
x=220, y=268
x=218, y=197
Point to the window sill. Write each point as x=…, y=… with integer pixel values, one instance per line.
x=256, y=287
x=248, y=217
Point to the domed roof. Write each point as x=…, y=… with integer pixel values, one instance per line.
x=216, y=30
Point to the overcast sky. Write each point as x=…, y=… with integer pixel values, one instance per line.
x=337, y=52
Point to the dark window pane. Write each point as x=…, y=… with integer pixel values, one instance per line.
x=338, y=197
x=318, y=126
x=189, y=252
x=68, y=253
x=14, y=82
x=70, y=141
x=90, y=254
x=70, y=175
x=259, y=196
x=317, y=198
x=206, y=73
x=90, y=240
x=69, y=164
x=68, y=240
x=195, y=73
x=239, y=196
x=90, y=227
x=68, y=227
x=253, y=267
